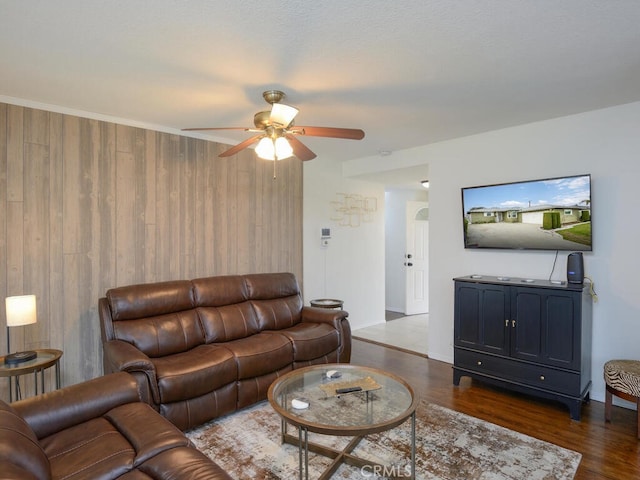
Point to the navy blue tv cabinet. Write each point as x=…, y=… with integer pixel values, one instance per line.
x=527, y=335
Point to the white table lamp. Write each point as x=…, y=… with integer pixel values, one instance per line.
x=21, y=310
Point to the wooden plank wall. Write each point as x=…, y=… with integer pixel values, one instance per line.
x=87, y=205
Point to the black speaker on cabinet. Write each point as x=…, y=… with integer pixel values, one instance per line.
x=575, y=268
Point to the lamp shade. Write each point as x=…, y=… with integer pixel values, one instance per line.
x=268, y=149
x=282, y=114
x=21, y=310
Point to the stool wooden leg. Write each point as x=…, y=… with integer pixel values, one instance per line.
x=608, y=399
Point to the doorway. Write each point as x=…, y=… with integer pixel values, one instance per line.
x=403, y=331
x=417, y=259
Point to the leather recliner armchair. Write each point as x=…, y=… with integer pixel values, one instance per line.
x=99, y=429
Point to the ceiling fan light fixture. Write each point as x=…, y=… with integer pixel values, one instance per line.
x=276, y=135
x=268, y=149
x=282, y=114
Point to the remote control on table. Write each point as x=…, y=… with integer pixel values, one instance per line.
x=348, y=390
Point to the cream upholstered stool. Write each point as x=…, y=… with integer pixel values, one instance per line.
x=623, y=380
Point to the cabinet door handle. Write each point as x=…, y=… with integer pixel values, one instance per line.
x=542, y=377
x=513, y=323
x=479, y=362
x=506, y=322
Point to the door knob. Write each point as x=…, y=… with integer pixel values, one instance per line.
x=409, y=255
x=409, y=264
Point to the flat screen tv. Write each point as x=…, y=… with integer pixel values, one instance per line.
x=547, y=214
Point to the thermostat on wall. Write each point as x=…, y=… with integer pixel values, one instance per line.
x=325, y=236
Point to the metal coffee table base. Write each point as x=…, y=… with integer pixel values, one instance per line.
x=344, y=455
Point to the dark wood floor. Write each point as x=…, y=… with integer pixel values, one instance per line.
x=609, y=450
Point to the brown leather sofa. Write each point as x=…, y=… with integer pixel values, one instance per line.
x=96, y=430
x=213, y=345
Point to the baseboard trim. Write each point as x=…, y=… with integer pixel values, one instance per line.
x=392, y=347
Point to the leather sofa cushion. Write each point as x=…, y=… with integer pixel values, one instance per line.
x=192, y=412
x=21, y=456
x=312, y=340
x=278, y=313
x=148, y=434
x=201, y=370
x=163, y=334
x=219, y=291
x=150, y=299
x=254, y=390
x=90, y=450
x=223, y=308
x=157, y=318
x=263, y=286
x=107, y=447
x=276, y=299
x=178, y=463
x=226, y=323
x=260, y=354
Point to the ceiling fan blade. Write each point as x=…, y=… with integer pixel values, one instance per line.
x=240, y=146
x=300, y=150
x=207, y=128
x=347, y=133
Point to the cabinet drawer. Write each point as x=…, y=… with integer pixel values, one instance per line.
x=524, y=373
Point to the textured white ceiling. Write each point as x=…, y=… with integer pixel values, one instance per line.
x=407, y=72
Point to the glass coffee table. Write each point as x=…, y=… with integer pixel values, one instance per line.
x=310, y=399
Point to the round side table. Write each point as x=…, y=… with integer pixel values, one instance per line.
x=45, y=358
x=327, y=303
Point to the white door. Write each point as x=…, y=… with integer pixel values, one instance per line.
x=416, y=259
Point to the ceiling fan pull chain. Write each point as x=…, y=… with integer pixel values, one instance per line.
x=275, y=158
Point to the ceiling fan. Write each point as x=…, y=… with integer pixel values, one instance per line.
x=277, y=134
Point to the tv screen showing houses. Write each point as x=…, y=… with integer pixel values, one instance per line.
x=548, y=214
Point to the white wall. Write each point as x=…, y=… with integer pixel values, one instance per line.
x=604, y=143
x=351, y=268
x=396, y=245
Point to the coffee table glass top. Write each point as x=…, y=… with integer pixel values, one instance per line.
x=389, y=402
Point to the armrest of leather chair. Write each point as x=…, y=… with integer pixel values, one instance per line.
x=11, y=471
x=121, y=356
x=60, y=409
x=21, y=455
x=339, y=320
x=324, y=315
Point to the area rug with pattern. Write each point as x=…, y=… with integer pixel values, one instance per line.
x=449, y=446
